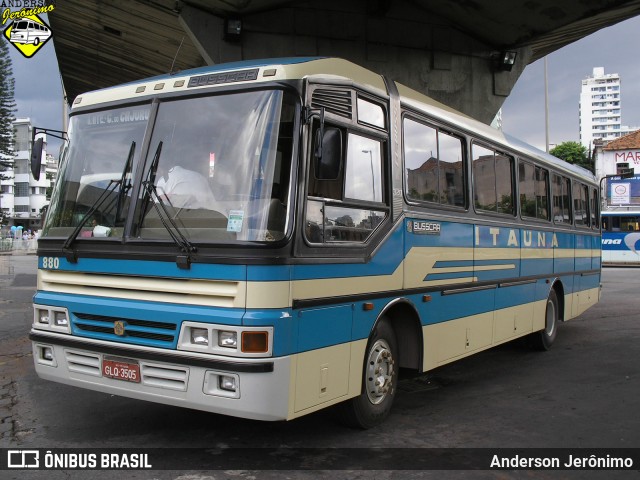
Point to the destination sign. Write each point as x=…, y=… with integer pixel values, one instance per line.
x=226, y=77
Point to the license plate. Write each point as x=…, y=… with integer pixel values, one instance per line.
x=121, y=369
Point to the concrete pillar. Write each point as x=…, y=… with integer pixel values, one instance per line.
x=397, y=39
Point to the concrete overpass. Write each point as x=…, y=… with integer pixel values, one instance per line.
x=450, y=50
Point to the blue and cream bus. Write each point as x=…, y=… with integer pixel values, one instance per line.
x=265, y=239
x=621, y=236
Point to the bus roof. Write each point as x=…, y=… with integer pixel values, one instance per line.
x=269, y=70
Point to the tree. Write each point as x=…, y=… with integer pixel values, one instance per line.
x=573, y=152
x=7, y=109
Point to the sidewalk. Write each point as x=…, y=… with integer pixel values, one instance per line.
x=10, y=246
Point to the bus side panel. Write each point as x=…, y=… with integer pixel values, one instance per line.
x=563, y=265
x=498, y=257
x=596, y=253
x=583, y=253
x=324, y=336
x=537, y=253
x=437, y=253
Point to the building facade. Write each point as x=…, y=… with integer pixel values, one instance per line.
x=611, y=158
x=600, y=108
x=21, y=196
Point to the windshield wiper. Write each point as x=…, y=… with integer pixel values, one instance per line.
x=151, y=177
x=183, y=261
x=125, y=185
x=150, y=193
x=71, y=254
x=66, y=248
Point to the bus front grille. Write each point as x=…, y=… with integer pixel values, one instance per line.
x=147, y=332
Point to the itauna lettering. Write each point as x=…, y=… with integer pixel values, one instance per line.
x=530, y=238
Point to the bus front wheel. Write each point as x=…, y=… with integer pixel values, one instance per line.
x=380, y=378
x=543, y=339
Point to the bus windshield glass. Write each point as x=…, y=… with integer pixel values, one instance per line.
x=218, y=166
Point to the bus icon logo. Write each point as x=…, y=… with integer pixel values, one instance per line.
x=28, y=34
x=23, y=459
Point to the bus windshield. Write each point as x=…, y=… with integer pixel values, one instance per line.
x=218, y=166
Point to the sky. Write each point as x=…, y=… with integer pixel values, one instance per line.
x=615, y=48
x=38, y=90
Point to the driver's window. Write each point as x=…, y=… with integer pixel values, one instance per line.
x=335, y=211
x=364, y=169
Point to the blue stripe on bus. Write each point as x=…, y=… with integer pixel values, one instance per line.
x=294, y=331
x=540, y=266
x=93, y=317
x=384, y=262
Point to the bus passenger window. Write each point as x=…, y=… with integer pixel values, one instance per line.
x=433, y=165
x=580, y=204
x=533, y=185
x=561, y=199
x=493, y=180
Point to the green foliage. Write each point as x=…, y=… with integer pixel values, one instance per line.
x=573, y=152
x=7, y=108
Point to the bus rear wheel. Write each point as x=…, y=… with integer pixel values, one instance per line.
x=380, y=377
x=543, y=339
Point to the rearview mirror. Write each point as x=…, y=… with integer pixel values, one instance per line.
x=328, y=154
x=36, y=158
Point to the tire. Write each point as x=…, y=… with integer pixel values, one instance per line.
x=543, y=339
x=36, y=42
x=380, y=377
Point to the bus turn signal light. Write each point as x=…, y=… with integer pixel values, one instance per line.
x=255, y=342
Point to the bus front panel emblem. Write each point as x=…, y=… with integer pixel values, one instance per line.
x=118, y=328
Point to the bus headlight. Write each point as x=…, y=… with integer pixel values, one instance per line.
x=42, y=316
x=226, y=340
x=200, y=336
x=60, y=319
x=55, y=319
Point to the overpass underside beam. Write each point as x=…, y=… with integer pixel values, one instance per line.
x=396, y=39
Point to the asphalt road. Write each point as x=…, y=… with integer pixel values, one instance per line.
x=583, y=393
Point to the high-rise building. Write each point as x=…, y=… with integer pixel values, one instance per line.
x=600, y=108
x=22, y=196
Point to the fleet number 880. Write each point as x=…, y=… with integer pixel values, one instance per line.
x=50, y=262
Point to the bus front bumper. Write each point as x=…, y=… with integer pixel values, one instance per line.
x=248, y=388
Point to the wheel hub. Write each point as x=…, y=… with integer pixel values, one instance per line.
x=380, y=368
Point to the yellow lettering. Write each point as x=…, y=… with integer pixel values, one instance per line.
x=477, y=235
x=526, y=238
x=513, y=239
x=542, y=239
x=495, y=232
x=554, y=241
x=7, y=14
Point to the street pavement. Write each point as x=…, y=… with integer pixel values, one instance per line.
x=583, y=393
